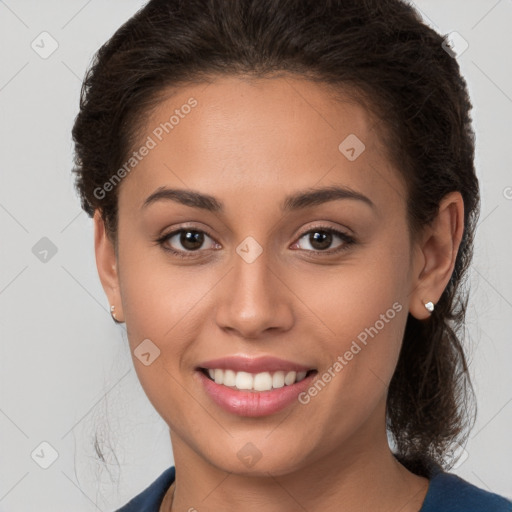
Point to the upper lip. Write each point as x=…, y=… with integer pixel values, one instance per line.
x=253, y=364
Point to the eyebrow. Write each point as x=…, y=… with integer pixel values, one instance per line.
x=297, y=201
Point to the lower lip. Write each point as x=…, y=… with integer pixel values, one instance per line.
x=253, y=403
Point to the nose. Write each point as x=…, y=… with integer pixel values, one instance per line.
x=254, y=300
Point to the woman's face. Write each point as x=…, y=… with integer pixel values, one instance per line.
x=262, y=276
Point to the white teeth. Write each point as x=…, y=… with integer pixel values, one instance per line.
x=290, y=378
x=301, y=376
x=219, y=376
x=229, y=378
x=243, y=380
x=278, y=380
x=264, y=381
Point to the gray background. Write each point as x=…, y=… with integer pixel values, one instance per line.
x=65, y=370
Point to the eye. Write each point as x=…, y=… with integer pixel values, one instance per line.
x=321, y=238
x=183, y=241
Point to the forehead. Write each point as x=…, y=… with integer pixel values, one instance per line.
x=272, y=135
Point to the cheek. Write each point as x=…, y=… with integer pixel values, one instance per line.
x=159, y=302
x=165, y=303
x=360, y=310
x=164, y=306
x=352, y=296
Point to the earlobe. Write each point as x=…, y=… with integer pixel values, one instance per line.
x=106, y=263
x=438, y=255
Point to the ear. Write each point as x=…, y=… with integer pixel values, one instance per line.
x=106, y=263
x=437, y=253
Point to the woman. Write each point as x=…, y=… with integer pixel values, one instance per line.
x=284, y=200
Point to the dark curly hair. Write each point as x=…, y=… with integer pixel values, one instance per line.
x=379, y=51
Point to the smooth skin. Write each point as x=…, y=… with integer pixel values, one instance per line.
x=251, y=143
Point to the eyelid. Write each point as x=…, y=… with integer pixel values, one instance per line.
x=326, y=227
x=184, y=227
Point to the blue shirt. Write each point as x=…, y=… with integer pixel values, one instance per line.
x=446, y=493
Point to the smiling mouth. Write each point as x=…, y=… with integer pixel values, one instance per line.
x=263, y=381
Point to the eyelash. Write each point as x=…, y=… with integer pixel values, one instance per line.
x=347, y=239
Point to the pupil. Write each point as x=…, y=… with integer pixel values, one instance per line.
x=322, y=238
x=191, y=240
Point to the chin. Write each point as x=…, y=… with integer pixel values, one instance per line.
x=251, y=461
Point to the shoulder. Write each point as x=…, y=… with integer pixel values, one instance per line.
x=449, y=492
x=150, y=499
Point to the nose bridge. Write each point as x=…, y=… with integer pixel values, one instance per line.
x=255, y=299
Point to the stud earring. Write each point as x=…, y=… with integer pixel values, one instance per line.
x=430, y=306
x=113, y=315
